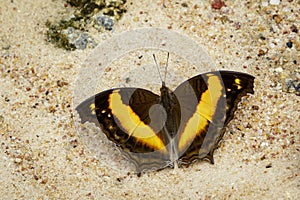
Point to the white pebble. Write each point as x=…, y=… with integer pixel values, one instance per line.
x=264, y=3
x=274, y=2
x=264, y=144
x=272, y=45
x=278, y=69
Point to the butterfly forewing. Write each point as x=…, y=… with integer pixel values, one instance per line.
x=236, y=86
x=217, y=102
x=133, y=119
x=200, y=123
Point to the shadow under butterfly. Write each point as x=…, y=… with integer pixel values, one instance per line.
x=174, y=128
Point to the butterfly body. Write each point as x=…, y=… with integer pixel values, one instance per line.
x=180, y=126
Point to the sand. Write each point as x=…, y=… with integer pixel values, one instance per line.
x=43, y=155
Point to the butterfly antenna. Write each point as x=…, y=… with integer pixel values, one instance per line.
x=158, y=68
x=166, y=68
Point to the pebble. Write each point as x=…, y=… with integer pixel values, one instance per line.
x=105, y=22
x=274, y=2
x=289, y=44
x=272, y=45
x=279, y=69
x=264, y=3
x=81, y=40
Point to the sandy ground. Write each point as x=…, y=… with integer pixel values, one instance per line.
x=43, y=156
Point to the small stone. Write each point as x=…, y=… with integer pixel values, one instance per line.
x=78, y=39
x=261, y=52
x=237, y=25
x=107, y=69
x=184, y=4
x=61, y=83
x=279, y=70
x=136, y=19
x=289, y=44
x=262, y=37
x=264, y=144
x=269, y=165
x=217, y=4
x=274, y=2
x=105, y=22
x=277, y=18
x=69, y=157
x=81, y=42
x=294, y=29
x=264, y=3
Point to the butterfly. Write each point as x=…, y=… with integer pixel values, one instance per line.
x=174, y=128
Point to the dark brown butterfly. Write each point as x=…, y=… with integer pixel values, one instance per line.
x=180, y=126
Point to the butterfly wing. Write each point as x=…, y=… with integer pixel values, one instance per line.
x=237, y=85
x=208, y=102
x=131, y=118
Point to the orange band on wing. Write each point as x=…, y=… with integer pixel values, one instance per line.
x=132, y=123
x=204, y=112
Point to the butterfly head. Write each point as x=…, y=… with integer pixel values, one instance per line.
x=164, y=90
